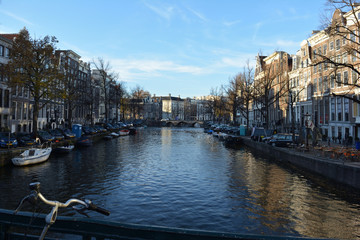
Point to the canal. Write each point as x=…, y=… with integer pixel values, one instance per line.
x=184, y=178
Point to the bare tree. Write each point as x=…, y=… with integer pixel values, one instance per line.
x=246, y=79
x=271, y=86
x=105, y=78
x=341, y=26
x=233, y=92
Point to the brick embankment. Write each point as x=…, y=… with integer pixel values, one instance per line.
x=345, y=172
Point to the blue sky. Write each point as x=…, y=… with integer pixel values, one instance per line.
x=177, y=47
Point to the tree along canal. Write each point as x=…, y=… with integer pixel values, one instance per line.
x=184, y=178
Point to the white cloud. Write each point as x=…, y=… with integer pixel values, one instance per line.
x=198, y=14
x=230, y=23
x=163, y=11
x=257, y=28
x=133, y=70
x=20, y=19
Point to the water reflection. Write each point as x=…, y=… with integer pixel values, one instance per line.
x=184, y=178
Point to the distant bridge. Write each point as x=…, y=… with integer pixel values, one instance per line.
x=182, y=123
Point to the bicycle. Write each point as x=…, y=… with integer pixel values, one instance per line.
x=50, y=218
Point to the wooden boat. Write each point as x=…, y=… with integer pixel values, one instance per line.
x=64, y=149
x=32, y=156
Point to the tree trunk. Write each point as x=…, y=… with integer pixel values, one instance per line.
x=35, y=117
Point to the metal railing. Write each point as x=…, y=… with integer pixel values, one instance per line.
x=22, y=225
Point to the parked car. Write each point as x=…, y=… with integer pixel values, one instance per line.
x=8, y=140
x=68, y=134
x=57, y=134
x=282, y=140
x=44, y=136
x=25, y=139
x=259, y=133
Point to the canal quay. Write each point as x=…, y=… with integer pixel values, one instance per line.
x=185, y=178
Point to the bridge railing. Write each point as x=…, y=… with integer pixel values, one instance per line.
x=23, y=223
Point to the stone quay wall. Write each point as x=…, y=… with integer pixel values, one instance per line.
x=347, y=173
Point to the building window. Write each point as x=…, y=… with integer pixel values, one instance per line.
x=332, y=81
x=1, y=98
x=325, y=83
x=346, y=109
x=352, y=37
x=320, y=84
x=346, y=77
x=338, y=108
x=325, y=49
x=7, y=99
x=353, y=56
x=25, y=111
x=332, y=109
x=7, y=52
x=1, y=50
x=344, y=40
x=13, y=110
x=337, y=43
x=338, y=79
x=345, y=58
x=354, y=77
x=331, y=46
x=315, y=68
x=19, y=110
x=315, y=85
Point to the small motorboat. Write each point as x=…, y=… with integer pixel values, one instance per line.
x=84, y=141
x=114, y=134
x=124, y=132
x=64, y=149
x=32, y=156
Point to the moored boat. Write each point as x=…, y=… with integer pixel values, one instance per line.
x=124, y=132
x=84, y=141
x=114, y=134
x=64, y=149
x=32, y=156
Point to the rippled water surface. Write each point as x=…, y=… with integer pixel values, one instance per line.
x=182, y=177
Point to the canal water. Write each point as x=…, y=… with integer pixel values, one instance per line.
x=184, y=178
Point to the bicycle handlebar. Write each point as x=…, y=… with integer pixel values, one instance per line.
x=35, y=194
x=98, y=209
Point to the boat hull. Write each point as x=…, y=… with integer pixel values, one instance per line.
x=39, y=156
x=64, y=149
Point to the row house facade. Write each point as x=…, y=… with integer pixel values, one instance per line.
x=316, y=88
x=5, y=104
x=172, y=108
x=271, y=85
x=16, y=104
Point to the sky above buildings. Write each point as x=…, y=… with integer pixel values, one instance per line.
x=177, y=47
